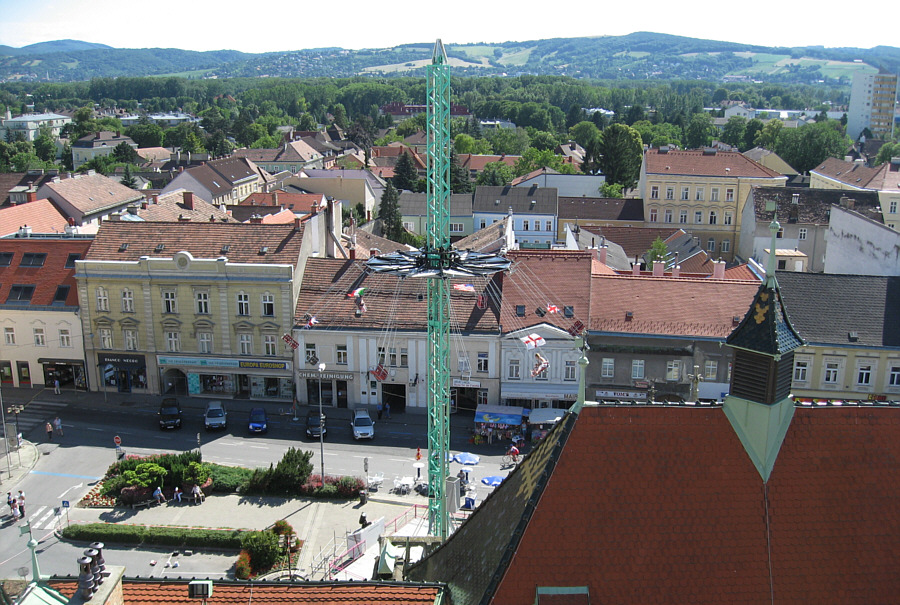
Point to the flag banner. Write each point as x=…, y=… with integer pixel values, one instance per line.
x=552, y=308
x=533, y=340
x=356, y=293
x=464, y=287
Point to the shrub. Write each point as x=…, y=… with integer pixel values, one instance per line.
x=349, y=487
x=228, y=479
x=328, y=490
x=282, y=527
x=139, y=534
x=292, y=470
x=262, y=547
x=135, y=493
x=146, y=474
x=242, y=567
x=113, y=485
x=196, y=473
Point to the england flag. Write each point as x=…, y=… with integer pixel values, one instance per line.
x=533, y=340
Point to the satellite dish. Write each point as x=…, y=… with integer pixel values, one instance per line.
x=23, y=571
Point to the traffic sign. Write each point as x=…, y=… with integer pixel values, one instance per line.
x=366, y=464
x=117, y=440
x=65, y=504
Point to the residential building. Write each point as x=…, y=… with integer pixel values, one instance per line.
x=771, y=160
x=475, y=163
x=196, y=308
x=852, y=348
x=29, y=125
x=534, y=210
x=860, y=244
x=856, y=176
x=703, y=191
x=292, y=157
x=276, y=201
x=226, y=181
x=97, y=144
x=414, y=213
x=41, y=216
x=88, y=198
x=804, y=215
x=567, y=185
x=166, y=120
x=15, y=187
x=42, y=336
x=178, y=205
x=592, y=211
x=685, y=253
x=873, y=98
x=353, y=187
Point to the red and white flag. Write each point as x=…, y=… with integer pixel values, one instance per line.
x=312, y=321
x=464, y=287
x=533, y=340
x=552, y=308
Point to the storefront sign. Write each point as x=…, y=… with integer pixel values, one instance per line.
x=621, y=395
x=219, y=362
x=466, y=384
x=122, y=361
x=325, y=375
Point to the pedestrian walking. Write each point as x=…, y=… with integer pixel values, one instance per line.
x=56, y=386
x=21, y=502
x=15, y=511
x=49, y=428
x=380, y=410
x=57, y=425
x=387, y=409
x=10, y=500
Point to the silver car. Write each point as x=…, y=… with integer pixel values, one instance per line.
x=362, y=424
x=215, y=416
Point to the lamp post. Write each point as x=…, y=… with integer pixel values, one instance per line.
x=5, y=435
x=321, y=428
x=15, y=409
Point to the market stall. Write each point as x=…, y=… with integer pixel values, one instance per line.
x=541, y=420
x=498, y=422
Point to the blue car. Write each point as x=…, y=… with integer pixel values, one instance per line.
x=258, y=423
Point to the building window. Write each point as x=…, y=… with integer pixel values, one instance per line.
x=832, y=372
x=893, y=207
x=685, y=194
x=801, y=233
x=170, y=302
x=204, y=342
x=202, y=301
x=544, y=374
x=381, y=355
x=729, y=195
x=726, y=245
x=711, y=244
x=714, y=194
x=698, y=217
x=570, y=371
x=713, y=217
x=894, y=378
x=608, y=367
x=70, y=261
x=710, y=369
x=780, y=234
x=6, y=259
x=673, y=370
x=127, y=301
x=102, y=299
x=20, y=293
x=456, y=227
x=698, y=195
x=411, y=226
x=404, y=357
x=782, y=264
x=654, y=192
x=729, y=216
x=801, y=370
x=525, y=225
x=131, y=340
x=568, y=311
x=653, y=215
x=245, y=342
x=670, y=193
x=520, y=310
x=173, y=342
x=682, y=217
x=392, y=358
x=39, y=339
x=313, y=359
x=65, y=338
x=269, y=345
x=9, y=335
x=514, y=370
x=549, y=226
x=864, y=375
x=268, y=305
x=483, y=224
x=106, y=341
x=637, y=369
x=667, y=217
x=482, y=396
x=33, y=259
x=482, y=363
x=243, y=304
x=340, y=355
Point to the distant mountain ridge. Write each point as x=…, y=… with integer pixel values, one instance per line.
x=636, y=56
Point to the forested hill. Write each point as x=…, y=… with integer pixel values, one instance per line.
x=637, y=56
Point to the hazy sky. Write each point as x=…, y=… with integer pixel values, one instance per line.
x=277, y=25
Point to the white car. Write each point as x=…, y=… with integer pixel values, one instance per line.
x=215, y=416
x=362, y=424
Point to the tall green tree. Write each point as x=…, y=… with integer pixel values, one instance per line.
x=806, y=147
x=145, y=135
x=128, y=178
x=506, y=141
x=495, y=174
x=768, y=136
x=45, y=147
x=584, y=132
x=618, y=155
x=657, y=252
x=887, y=151
x=734, y=130
x=389, y=213
x=459, y=177
x=124, y=152
x=753, y=127
x=699, y=131
x=405, y=173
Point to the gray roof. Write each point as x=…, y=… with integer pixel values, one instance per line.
x=601, y=209
x=501, y=199
x=415, y=204
x=813, y=205
x=34, y=117
x=826, y=308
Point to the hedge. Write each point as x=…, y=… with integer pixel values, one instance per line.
x=158, y=535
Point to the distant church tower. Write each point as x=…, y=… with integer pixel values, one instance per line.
x=759, y=405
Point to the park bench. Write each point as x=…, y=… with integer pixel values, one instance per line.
x=194, y=499
x=142, y=503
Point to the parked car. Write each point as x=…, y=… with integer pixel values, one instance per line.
x=215, y=416
x=362, y=424
x=259, y=421
x=315, y=423
x=170, y=414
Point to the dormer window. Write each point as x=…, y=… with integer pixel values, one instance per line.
x=159, y=247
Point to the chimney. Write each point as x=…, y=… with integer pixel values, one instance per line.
x=719, y=269
x=188, y=197
x=602, y=253
x=659, y=268
x=212, y=218
x=297, y=223
x=30, y=196
x=144, y=205
x=352, y=253
x=71, y=221
x=97, y=136
x=184, y=219
x=24, y=231
x=133, y=209
x=275, y=198
x=256, y=219
x=636, y=268
x=313, y=208
x=676, y=271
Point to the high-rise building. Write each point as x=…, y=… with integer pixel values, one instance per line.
x=872, y=101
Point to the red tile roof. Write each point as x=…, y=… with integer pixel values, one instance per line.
x=45, y=279
x=698, y=163
x=146, y=592
x=299, y=202
x=42, y=216
x=859, y=175
x=672, y=306
x=635, y=241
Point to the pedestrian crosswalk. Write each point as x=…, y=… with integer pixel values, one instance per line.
x=35, y=414
x=44, y=518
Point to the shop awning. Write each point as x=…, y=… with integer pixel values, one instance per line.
x=539, y=391
x=499, y=414
x=545, y=416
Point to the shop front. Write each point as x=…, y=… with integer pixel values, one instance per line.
x=124, y=373
x=541, y=420
x=535, y=396
x=244, y=378
x=69, y=373
x=332, y=386
x=498, y=422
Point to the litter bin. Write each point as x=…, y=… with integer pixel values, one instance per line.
x=363, y=496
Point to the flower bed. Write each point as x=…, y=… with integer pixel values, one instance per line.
x=94, y=499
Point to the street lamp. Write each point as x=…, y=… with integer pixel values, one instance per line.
x=5, y=435
x=15, y=409
x=321, y=427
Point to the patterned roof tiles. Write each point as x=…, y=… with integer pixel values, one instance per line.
x=47, y=278
x=42, y=216
x=90, y=192
x=600, y=209
x=700, y=163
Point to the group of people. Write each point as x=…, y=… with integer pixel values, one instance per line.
x=384, y=409
x=16, y=505
x=55, y=426
x=196, y=494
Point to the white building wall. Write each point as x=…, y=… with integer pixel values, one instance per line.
x=860, y=246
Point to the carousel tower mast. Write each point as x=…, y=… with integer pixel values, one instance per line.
x=437, y=247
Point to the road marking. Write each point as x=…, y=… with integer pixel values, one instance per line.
x=66, y=475
x=96, y=429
